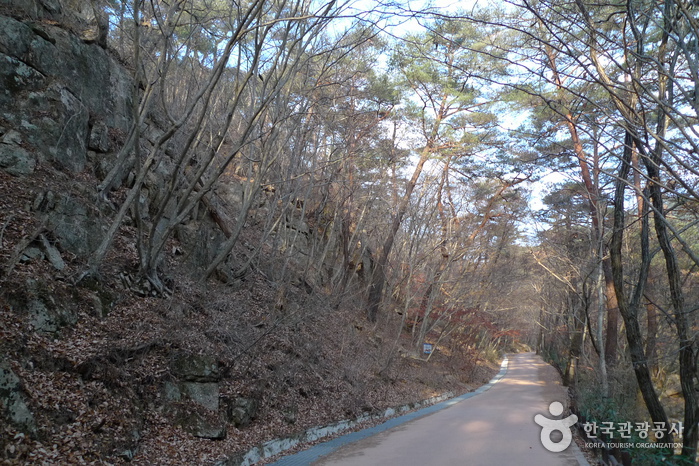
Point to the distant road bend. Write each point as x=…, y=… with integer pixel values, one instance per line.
x=492, y=428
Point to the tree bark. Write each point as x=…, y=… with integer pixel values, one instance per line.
x=686, y=342
x=628, y=312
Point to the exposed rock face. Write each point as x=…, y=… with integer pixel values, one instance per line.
x=78, y=228
x=62, y=98
x=12, y=400
x=195, y=368
x=81, y=16
x=198, y=377
x=44, y=314
x=203, y=394
x=201, y=425
x=241, y=411
x=65, y=109
x=59, y=95
x=14, y=159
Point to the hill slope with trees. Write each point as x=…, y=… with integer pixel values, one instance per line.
x=226, y=222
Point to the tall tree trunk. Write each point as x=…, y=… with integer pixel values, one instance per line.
x=600, y=326
x=652, y=336
x=674, y=276
x=628, y=309
x=576, y=341
x=593, y=199
x=379, y=278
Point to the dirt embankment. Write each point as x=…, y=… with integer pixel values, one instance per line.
x=97, y=364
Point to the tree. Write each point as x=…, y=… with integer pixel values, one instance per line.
x=261, y=39
x=449, y=109
x=636, y=56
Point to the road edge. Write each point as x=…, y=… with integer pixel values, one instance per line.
x=314, y=453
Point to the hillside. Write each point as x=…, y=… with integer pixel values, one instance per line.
x=98, y=365
x=102, y=363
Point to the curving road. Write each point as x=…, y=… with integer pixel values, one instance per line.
x=493, y=428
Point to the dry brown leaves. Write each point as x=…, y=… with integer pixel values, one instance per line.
x=96, y=386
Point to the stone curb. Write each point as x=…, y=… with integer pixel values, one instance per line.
x=274, y=447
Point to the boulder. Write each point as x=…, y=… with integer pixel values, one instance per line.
x=202, y=426
x=42, y=311
x=290, y=414
x=41, y=318
x=190, y=367
x=52, y=254
x=99, y=137
x=76, y=229
x=241, y=411
x=15, y=160
x=31, y=253
x=205, y=394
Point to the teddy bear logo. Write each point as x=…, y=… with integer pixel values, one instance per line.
x=548, y=426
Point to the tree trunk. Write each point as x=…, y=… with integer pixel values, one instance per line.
x=379, y=277
x=593, y=198
x=628, y=311
x=686, y=341
x=651, y=338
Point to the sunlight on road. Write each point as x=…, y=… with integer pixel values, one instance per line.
x=493, y=428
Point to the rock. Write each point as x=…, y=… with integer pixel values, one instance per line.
x=190, y=367
x=43, y=313
x=41, y=318
x=13, y=402
x=34, y=8
x=31, y=253
x=200, y=425
x=16, y=161
x=61, y=133
x=99, y=137
x=199, y=376
x=12, y=137
x=52, y=83
x=53, y=124
x=16, y=78
x=127, y=455
x=204, y=428
x=53, y=255
x=203, y=394
x=290, y=414
x=44, y=201
x=172, y=391
x=77, y=230
x=15, y=40
x=241, y=411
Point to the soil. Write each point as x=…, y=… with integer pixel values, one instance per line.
x=95, y=386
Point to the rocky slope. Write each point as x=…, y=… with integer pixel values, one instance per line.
x=97, y=369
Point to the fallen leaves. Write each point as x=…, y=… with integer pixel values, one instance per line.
x=96, y=385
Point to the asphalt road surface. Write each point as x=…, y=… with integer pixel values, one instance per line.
x=493, y=428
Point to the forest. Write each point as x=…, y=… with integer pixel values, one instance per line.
x=485, y=177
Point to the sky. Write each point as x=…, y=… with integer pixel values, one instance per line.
x=399, y=25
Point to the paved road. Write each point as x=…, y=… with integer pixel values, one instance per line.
x=493, y=428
